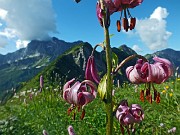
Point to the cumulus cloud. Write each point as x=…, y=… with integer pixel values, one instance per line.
x=27, y=19
x=152, y=30
x=136, y=48
x=21, y=43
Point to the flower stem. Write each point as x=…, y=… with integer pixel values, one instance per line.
x=108, y=104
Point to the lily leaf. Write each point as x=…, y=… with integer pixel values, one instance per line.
x=102, y=87
x=114, y=60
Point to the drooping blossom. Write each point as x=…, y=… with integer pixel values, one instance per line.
x=71, y=130
x=113, y=6
x=91, y=72
x=129, y=115
x=79, y=94
x=157, y=73
x=144, y=72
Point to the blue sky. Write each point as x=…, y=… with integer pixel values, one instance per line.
x=22, y=20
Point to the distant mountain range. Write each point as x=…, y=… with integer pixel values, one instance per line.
x=58, y=60
x=23, y=64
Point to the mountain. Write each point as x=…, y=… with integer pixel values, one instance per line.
x=23, y=64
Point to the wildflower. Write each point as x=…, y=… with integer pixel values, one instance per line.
x=164, y=91
x=161, y=124
x=119, y=6
x=78, y=95
x=129, y=115
x=91, y=70
x=170, y=94
x=167, y=87
x=147, y=73
x=71, y=130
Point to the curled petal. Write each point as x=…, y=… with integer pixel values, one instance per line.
x=121, y=112
x=67, y=84
x=92, y=86
x=74, y=93
x=167, y=65
x=134, y=75
x=85, y=98
x=70, y=93
x=128, y=119
x=137, y=112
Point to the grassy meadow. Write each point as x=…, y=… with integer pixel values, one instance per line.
x=29, y=112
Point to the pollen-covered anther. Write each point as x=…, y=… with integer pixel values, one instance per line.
x=125, y=24
x=82, y=114
x=118, y=23
x=142, y=95
x=132, y=23
x=158, y=98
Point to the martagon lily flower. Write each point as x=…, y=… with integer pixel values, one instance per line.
x=79, y=94
x=119, y=6
x=129, y=115
x=148, y=73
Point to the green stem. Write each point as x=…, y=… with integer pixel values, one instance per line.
x=108, y=104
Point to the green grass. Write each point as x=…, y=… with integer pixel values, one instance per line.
x=48, y=111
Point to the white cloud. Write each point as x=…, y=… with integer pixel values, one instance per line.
x=3, y=13
x=159, y=13
x=136, y=48
x=21, y=44
x=9, y=33
x=152, y=31
x=27, y=19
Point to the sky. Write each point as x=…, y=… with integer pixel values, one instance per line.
x=21, y=21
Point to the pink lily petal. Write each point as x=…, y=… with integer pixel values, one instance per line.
x=85, y=98
x=91, y=70
x=67, y=84
x=99, y=13
x=74, y=92
x=94, y=71
x=167, y=64
x=110, y=5
x=128, y=119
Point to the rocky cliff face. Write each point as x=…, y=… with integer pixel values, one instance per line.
x=25, y=63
